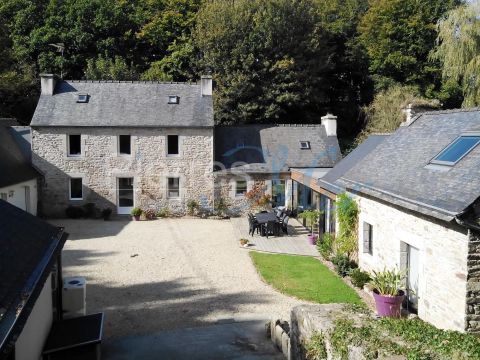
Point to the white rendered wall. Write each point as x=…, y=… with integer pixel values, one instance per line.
x=16, y=195
x=30, y=343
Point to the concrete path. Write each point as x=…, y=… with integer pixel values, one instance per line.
x=295, y=243
x=236, y=340
x=167, y=274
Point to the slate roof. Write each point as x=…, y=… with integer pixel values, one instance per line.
x=274, y=148
x=29, y=247
x=125, y=104
x=15, y=155
x=398, y=170
x=329, y=181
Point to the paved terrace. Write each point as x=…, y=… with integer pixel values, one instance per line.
x=295, y=243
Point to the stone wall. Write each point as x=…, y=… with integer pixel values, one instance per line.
x=100, y=165
x=443, y=259
x=238, y=205
x=473, y=284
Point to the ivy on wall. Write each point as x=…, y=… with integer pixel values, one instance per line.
x=347, y=215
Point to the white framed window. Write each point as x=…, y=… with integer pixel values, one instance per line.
x=173, y=187
x=240, y=187
x=74, y=145
x=367, y=238
x=124, y=144
x=82, y=98
x=174, y=99
x=4, y=196
x=304, y=145
x=173, y=145
x=76, y=189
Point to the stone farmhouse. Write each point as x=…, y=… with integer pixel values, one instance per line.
x=123, y=144
x=418, y=195
x=153, y=145
x=265, y=156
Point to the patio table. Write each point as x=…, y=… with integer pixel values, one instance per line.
x=263, y=218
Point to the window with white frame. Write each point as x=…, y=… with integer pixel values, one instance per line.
x=172, y=145
x=4, y=196
x=240, y=187
x=74, y=145
x=173, y=187
x=76, y=189
x=367, y=238
x=124, y=144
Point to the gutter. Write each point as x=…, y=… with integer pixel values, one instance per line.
x=467, y=224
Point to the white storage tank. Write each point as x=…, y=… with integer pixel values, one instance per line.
x=74, y=297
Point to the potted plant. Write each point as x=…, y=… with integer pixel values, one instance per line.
x=386, y=292
x=106, y=213
x=244, y=242
x=136, y=213
x=312, y=216
x=149, y=214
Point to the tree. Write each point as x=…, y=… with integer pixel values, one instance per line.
x=398, y=36
x=270, y=59
x=103, y=68
x=459, y=50
x=385, y=113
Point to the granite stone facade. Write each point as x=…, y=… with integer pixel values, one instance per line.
x=444, y=272
x=100, y=165
x=473, y=284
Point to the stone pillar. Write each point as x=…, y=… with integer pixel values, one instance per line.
x=472, y=319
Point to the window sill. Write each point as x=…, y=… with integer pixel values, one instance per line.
x=74, y=157
x=79, y=199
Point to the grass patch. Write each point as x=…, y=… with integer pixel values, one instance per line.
x=303, y=277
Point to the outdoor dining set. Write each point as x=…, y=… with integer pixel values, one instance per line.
x=268, y=223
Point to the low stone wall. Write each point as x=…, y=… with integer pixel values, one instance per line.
x=472, y=321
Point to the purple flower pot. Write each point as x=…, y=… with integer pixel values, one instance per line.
x=312, y=239
x=136, y=218
x=388, y=306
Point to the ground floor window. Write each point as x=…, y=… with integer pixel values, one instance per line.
x=278, y=192
x=173, y=190
x=76, y=189
x=125, y=195
x=240, y=187
x=367, y=238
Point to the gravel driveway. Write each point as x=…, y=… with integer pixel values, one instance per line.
x=167, y=274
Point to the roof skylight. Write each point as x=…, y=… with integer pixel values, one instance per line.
x=82, y=98
x=457, y=150
x=173, y=99
x=304, y=145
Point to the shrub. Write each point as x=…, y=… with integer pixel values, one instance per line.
x=74, y=212
x=347, y=214
x=162, y=213
x=106, y=213
x=221, y=206
x=136, y=211
x=359, y=278
x=325, y=246
x=149, y=214
x=343, y=264
x=89, y=210
x=192, y=206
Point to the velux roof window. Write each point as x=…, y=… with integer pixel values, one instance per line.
x=82, y=98
x=457, y=150
x=173, y=99
x=304, y=145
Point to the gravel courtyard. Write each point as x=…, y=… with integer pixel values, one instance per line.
x=167, y=274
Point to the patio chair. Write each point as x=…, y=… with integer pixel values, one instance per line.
x=253, y=225
x=268, y=229
x=285, y=224
x=278, y=213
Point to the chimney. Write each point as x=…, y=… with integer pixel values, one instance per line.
x=206, y=84
x=409, y=113
x=329, y=122
x=48, y=82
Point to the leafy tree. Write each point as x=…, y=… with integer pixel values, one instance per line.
x=103, y=68
x=398, y=36
x=385, y=113
x=270, y=59
x=459, y=50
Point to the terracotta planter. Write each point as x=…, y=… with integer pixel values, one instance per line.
x=388, y=306
x=136, y=218
x=312, y=239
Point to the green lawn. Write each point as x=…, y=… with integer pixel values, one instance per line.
x=303, y=277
